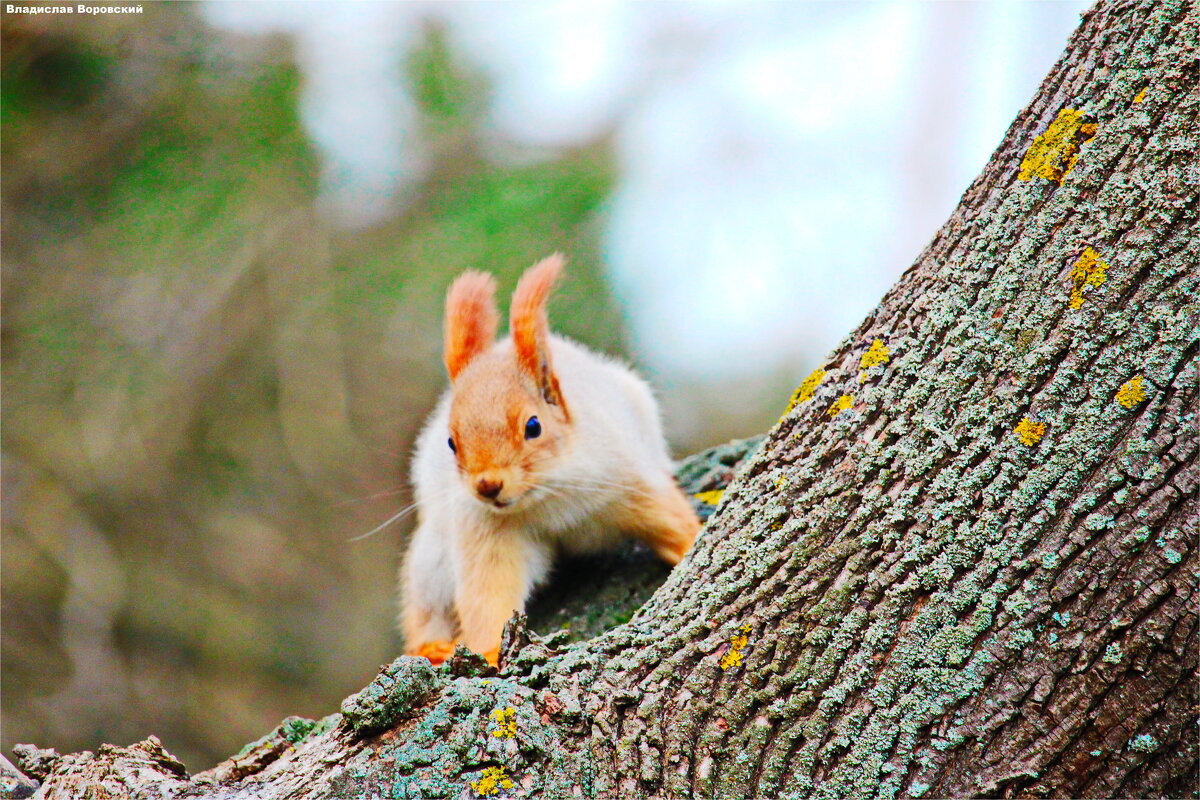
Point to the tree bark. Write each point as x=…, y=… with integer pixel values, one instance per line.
x=963, y=563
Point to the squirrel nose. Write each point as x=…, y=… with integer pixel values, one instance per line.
x=489, y=489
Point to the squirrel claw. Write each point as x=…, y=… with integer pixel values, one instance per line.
x=436, y=652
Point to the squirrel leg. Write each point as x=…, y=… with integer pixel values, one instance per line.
x=427, y=633
x=663, y=519
x=493, y=586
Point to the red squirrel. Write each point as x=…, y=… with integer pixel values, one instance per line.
x=539, y=447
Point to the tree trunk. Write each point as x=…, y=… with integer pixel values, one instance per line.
x=963, y=564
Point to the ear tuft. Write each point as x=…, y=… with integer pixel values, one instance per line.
x=471, y=319
x=530, y=328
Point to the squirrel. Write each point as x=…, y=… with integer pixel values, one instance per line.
x=539, y=447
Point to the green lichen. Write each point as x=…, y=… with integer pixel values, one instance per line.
x=1024, y=339
x=397, y=691
x=1113, y=654
x=1143, y=743
x=293, y=731
x=296, y=729
x=250, y=747
x=451, y=743
x=1018, y=604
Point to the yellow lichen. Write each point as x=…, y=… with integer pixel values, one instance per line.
x=840, y=405
x=1089, y=271
x=876, y=355
x=491, y=782
x=804, y=391
x=737, y=643
x=711, y=498
x=1087, y=130
x=1053, y=154
x=1140, y=96
x=1030, y=432
x=507, y=717
x=780, y=482
x=1131, y=392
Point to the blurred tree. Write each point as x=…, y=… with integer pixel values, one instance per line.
x=209, y=391
x=962, y=564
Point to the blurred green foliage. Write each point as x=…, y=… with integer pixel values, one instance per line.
x=447, y=93
x=208, y=389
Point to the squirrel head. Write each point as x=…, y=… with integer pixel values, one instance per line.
x=509, y=422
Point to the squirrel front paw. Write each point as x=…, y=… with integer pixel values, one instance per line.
x=436, y=652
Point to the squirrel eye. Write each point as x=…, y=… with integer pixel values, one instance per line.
x=533, y=428
x=450, y=442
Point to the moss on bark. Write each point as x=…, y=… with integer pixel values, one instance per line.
x=976, y=578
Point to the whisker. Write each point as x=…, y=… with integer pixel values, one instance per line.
x=552, y=491
x=557, y=488
x=376, y=496
x=399, y=515
x=395, y=518
x=599, y=484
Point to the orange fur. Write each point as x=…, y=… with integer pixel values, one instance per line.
x=503, y=498
x=530, y=327
x=436, y=652
x=423, y=635
x=664, y=520
x=471, y=319
x=493, y=587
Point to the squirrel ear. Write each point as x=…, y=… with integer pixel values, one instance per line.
x=471, y=319
x=530, y=329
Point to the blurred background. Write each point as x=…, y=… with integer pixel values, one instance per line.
x=228, y=228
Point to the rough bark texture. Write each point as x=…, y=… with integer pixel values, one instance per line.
x=964, y=566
